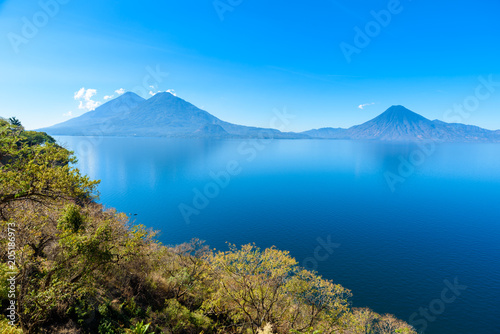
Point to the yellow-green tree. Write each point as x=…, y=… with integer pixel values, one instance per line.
x=34, y=168
x=365, y=321
x=254, y=288
x=37, y=180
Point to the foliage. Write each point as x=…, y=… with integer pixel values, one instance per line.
x=365, y=321
x=6, y=328
x=308, y=331
x=179, y=319
x=255, y=287
x=14, y=121
x=34, y=168
x=84, y=269
x=140, y=328
x=4, y=270
x=267, y=329
x=32, y=138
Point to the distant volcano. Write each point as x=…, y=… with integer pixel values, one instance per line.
x=165, y=115
x=396, y=123
x=400, y=124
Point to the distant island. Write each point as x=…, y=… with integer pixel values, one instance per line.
x=165, y=115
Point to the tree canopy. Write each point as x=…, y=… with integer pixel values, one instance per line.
x=80, y=268
x=34, y=168
x=14, y=121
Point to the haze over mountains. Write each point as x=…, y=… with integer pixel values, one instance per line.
x=400, y=124
x=165, y=115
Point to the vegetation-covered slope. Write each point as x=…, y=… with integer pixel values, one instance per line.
x=82, y=269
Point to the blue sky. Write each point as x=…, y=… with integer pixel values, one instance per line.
x=244, y=59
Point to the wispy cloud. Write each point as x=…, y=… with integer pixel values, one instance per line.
x=68, y=114
x=362, y=106
x=120, y=91
x=85, y=98
x=108, y=97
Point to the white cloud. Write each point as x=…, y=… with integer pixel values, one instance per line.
x=85, y=98
x=89, y=105
x=107, y=97
x=89, y=93
x=68, y=114
x=120, y=91
x=80, y=93
x=171, y=91
x=362, y=106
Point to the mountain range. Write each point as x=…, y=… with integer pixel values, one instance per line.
x=165, y=115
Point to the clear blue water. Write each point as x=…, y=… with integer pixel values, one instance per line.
x=394, y=248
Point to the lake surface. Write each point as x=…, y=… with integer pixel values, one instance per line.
x=397, y=224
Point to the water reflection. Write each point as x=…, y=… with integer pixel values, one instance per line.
x=396, y=247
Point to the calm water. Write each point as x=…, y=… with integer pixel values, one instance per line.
x=393, y=246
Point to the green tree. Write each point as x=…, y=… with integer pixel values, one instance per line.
x=14, y=121
x=34, y=168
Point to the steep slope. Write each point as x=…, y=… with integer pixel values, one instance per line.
x=100, y=120
x=396, y=123
x=164, y=115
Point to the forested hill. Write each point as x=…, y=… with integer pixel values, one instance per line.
x=70, y=266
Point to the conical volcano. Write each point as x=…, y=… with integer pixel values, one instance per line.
x=396, y=123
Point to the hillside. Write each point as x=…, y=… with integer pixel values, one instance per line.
x=81, y=268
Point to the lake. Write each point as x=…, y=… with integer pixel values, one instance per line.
x=411, y=230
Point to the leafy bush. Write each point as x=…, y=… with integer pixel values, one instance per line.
x=140, y=328
x=5, y=328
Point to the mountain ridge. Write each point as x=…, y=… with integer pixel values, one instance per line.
x=166, y=115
